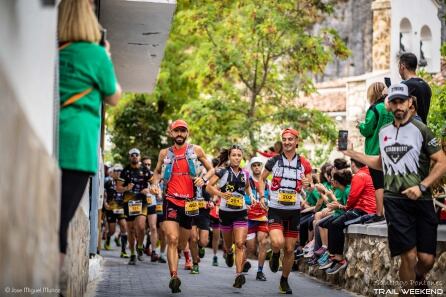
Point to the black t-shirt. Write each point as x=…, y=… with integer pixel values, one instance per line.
x=420, y=89
x=138, y=176
x=110, y=189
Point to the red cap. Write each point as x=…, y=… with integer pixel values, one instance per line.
x=178, y=124
x=291, y=131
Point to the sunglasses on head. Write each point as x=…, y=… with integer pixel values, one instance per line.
x=236, y=146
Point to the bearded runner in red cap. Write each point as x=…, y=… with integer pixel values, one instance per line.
x=290, y=173
x=178, y=167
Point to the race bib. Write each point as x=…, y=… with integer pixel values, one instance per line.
x=202, y=203
x=235, y=202
x=287, y=197
x=135, y=208
x=118, y=211
x=149, y=200
x=159, y=208
x=192, y=208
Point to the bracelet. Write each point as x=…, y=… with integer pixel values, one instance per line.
x=205, y=180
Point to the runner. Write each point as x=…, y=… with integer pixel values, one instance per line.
x=232, y=186
x=178, y=167
x=135, y=185
x=257, y=221
x=407, y=150
x=290, y=173
x=114, y=206
x=200, y=228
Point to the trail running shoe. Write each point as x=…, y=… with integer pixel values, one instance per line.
x=274, y=262
x=260, y=276
x=195, y=269
x=140, y=253
x=201, y=252
x=246, y=266
x=230, y=259
x=215, y=261
x=240, y=280
x=284, y=287
x=175, y=284
x=132, y=260
x=124, y=255
x=161, y=259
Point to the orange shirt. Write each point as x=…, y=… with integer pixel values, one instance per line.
x=181, y=184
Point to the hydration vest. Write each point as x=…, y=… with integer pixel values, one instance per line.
x=278, y=175
x=170, y=160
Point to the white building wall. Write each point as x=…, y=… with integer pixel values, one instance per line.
x=27, y=55
x=419, y=13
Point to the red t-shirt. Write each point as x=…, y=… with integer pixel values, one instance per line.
x=362, y=192
x=181, y=184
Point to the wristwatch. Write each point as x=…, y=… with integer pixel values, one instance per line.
x=423, y=188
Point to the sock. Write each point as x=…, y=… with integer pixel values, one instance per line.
x=283, y=279
x=324, y=246
x=260, y=269
x=186, y=255
x=123, y=242
x=107, y=242
x=140, y=246
x=173, y=274
x=132, y=252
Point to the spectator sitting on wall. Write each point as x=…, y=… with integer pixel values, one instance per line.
x=360, y=201
x=407, y=67
x=376, y=117
x=86, y=79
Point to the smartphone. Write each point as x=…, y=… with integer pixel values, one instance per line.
x=342, y=140
x=387, y=81
x=103, y=37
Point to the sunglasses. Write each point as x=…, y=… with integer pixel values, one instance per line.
x=134, y=155
x=117, y=170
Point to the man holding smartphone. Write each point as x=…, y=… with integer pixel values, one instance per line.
x=407, y=148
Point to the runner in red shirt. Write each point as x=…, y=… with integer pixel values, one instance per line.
x=178, y=166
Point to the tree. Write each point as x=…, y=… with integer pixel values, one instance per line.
x=136, y=122
x=253, y=58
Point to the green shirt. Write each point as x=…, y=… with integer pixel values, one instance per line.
x=376, y=117
x=341, y=197
x=82, y=65
x=313, y=197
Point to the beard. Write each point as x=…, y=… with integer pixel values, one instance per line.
x=400, y=114
x=134, y=162
x=179, y=140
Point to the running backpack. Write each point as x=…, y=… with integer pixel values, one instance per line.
x=277, y=179
x=170, y=160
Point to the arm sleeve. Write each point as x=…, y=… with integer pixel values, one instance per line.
x=106, y=75
x=356, y=188
x=367, y=127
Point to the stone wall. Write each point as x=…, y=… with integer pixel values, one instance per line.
x=381, y=35
x=29, y=198
x=371, y=267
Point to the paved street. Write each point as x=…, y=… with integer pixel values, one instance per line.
x=151, y=279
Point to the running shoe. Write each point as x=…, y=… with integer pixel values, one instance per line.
x=140, y=253
x=260, y=276
x=340, y=265
x=117, y=241
x=215, y=261
x=195, y=269
x=240, y=280
x=161, y=259
x=323, y=259
x=201, y=252
x=154, y=257
x=124, y=255
x=246, y=266
x=188, y=265
x=132, y=260
x=229, y=259
x=107, y=247
x=320, y=251
x=274, y=262
x=284, y=287
x=175, y=284
x=328, y=264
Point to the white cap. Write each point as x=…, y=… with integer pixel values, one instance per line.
x=134, y=151
x=398, y=91
x=117, y=167
x=255, y=160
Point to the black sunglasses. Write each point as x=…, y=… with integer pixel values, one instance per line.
x=134, y=155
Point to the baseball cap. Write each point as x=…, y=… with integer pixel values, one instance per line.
x=134, y=151
x=291, y=131
x=255, y=160
x=398, y=91
x=117, y=167
x=178, y=124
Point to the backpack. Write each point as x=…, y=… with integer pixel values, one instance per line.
x=170, y=160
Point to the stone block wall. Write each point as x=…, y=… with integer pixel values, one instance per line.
x=371, y=267
x=29, y=198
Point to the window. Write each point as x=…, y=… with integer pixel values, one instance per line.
x=405, y=36
x=425, y=46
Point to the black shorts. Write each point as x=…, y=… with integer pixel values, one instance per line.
x=286, y=220
x=410, y=223
x=151, y=210
x=324, y=223
x=173, y=212
x=377, y=178
x=233, y=219
x=112, y=217
x=215, y=223
x=203, y=220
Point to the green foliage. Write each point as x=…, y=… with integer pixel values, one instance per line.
x=437, y=111
x=135, y=122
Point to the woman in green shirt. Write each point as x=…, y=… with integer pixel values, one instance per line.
x=86, y=78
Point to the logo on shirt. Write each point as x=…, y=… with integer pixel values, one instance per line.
x=397, y=151
x=387, y=138
x=434, y=142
